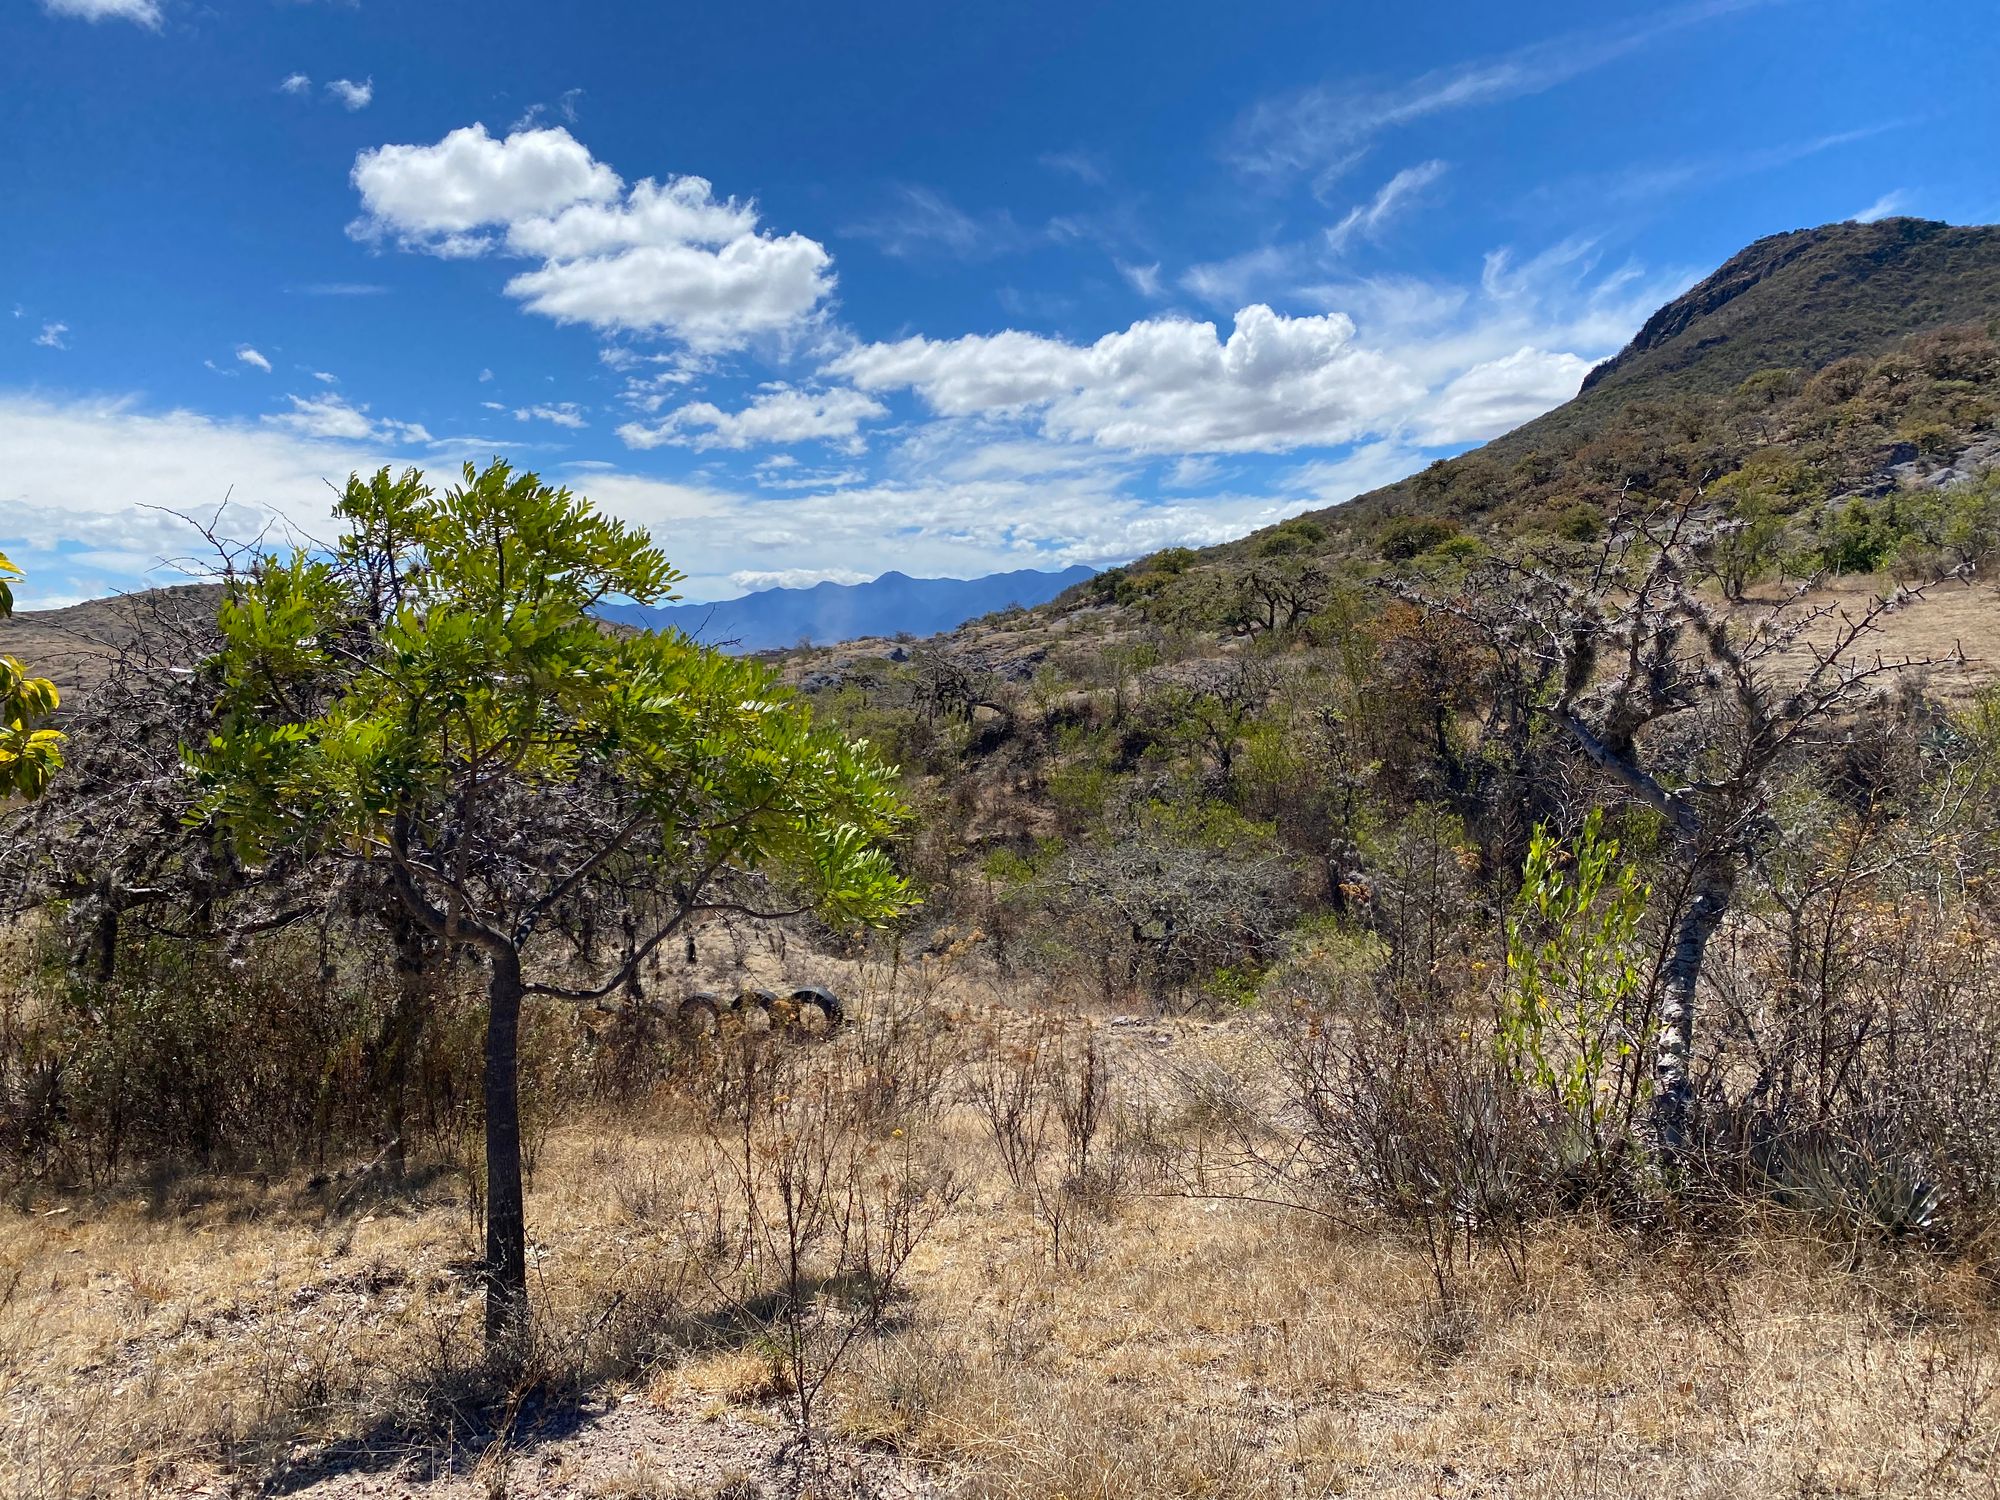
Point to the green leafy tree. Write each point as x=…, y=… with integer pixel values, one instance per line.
x=1961, y=521
x=30, y=752
x=1860, y=538
x=435, y=698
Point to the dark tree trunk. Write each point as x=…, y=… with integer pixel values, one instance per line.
x=104, y=934
x=398, y=1045
x=506, y=1232
x=1673, y=1096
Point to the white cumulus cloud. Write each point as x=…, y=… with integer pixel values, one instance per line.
x=750, y=580
x=1162, y=386
x=53, y=336
x=666, y=258
x=426, y=196
x=709, y=299
x=249, y=356
x=1499, y=395
x=107, y=476
x=777, y=416
x=295, y=84
x=562, y=413
x=330, y=417
x=350, y=95
x=683, y=210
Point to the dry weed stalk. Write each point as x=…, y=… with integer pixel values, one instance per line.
x=1044, y=1091
x=813, y=1214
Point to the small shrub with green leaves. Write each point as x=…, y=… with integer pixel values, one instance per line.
x=1412, y=536
x=1576, y=978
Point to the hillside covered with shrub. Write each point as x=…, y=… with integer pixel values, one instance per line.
x=1173, y=773
x=1490, y=988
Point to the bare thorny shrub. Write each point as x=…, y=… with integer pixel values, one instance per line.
x=1044, y=1089
x=1365, y=1106
x=1854, y=1073
x=907, y=1036
x=806, y=1209
x=195, y=1057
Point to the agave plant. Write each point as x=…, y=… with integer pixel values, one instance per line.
x=1893, y=1194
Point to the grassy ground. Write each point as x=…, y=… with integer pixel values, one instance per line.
x=212, y=1337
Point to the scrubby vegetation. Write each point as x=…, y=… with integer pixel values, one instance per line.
x=1495, y=989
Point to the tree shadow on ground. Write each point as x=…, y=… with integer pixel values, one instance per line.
x=441, y=1422
x=162, y=1192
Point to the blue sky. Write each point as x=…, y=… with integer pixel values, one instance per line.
x=818, y=291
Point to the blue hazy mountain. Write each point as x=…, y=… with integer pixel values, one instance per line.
x=829, y=612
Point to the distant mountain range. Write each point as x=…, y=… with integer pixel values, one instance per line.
x=828, y=612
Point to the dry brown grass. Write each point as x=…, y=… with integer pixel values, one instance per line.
x=1192, y=1348
x=1234, y=1352
x=1954, y=627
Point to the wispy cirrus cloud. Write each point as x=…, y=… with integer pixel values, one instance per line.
x=350, y=95
x=1145, y=280
x=1891, y=203
x=534, y=114
x=1086, y=167
x=560, y=413
x=922, y=222
x=1258, y=273
x=1663, y=179
x=144, y=13
x=1274, y=271
x=331, y=418
x=1367, y=220
x=346, y=92
x=1317, y=133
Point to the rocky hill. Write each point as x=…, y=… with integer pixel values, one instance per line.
x=79, y=643
x=1804, y=299
x=1771, y=351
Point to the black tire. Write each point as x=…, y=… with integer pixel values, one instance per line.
x=701, y=1013
x=828, y=1003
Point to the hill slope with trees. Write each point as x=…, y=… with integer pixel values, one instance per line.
x=1172, y=772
